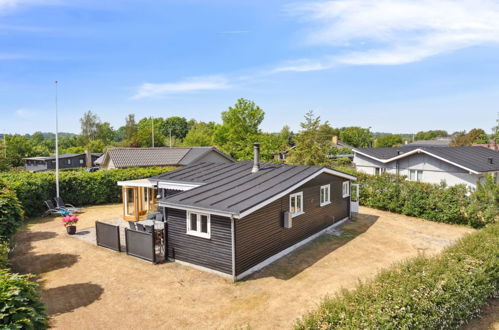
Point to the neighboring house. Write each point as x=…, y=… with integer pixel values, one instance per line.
x=235, y=218
x=164, y=156
x=38, y=164
x=492, y=146
x=438, y=142
x=454, y=165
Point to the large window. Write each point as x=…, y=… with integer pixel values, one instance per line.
x=346, y=189
x=296, y=204
x=198, y=224
x=415, y=175
x=325, y=194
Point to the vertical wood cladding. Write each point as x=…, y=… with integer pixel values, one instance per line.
x=260, y=235
x=214, y=253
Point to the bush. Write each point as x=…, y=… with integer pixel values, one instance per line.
x=442, y=292
x=430, y=201
x=77, y=187
x=11, y=213
x=20, y=306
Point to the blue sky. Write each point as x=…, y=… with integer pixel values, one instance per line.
x=393, y=65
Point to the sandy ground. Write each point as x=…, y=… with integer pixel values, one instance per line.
x=90, y=287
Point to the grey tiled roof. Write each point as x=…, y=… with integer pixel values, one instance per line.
x=60, y=156
x=131, y=157
x=233, y=188
x=473, y=158
x=442, y=142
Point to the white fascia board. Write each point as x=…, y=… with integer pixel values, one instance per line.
x=137, y=183
x=415, y=151
x=287, y=191
x=177, y=185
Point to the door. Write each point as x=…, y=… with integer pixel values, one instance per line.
x=354, y=199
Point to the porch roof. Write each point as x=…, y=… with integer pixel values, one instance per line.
x=138, y=183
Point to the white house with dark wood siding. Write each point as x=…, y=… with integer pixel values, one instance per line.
x=452, y=165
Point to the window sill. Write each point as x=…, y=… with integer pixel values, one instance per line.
x=324, y=204
x=345, y=196
x=197, y=234
x=296, y=214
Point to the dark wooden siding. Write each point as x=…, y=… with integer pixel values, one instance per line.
x=214, y=253
x=260, y=235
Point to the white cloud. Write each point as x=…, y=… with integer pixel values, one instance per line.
x=391, y=32
x=6, y=5
x=24, y=113
x=187, y=85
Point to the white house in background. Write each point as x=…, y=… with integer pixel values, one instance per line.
x=454, y=165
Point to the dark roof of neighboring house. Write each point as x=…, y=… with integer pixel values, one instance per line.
x=440, y=142
x=470, y=158
x=231, y=188
x=60, y=156
x=164, y=156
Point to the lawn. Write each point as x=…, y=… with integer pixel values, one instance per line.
x=85, y=286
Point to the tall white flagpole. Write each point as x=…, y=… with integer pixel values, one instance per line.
x=56, y=144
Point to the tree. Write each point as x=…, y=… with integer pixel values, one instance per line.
x=287, y=135
x=389, y=140
x=239, y=129
x=18, y=147
x=200, y=134
x=430, y=135
x=130, y=128
x=495, y=130
x=144, y=133
x=105, y=133
x=357, y=137
x=311, y=147
x=178, y=126
x=89, y=123
x=476, y=135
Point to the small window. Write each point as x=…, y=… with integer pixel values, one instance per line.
x=198, y=224
x=415, y=175
x=346, y=189
x=69, y=161
x=81, y=161
x=296, y=204
x=325, y=195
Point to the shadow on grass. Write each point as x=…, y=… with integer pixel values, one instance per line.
x=67, y=298
x=42, y=263
x=304, y=257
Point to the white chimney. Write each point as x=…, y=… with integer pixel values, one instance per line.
x=256, y=157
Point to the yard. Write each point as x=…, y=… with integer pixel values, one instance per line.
x=86, y=286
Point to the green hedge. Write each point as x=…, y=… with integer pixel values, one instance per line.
x=76, y=187
x=434, y=202
x=442, y=292
x=20, y=306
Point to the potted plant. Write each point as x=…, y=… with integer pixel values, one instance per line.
x=69, y=222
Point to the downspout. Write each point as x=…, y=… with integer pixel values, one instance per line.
x=233, y=248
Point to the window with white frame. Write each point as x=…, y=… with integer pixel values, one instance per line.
x=415, y=175
x=325, y=194
x=69, y=161
x=81, y=161
x=198, y=224
x=296, y=204
x=346, y=189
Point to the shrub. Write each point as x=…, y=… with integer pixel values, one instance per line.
x=77, y=187
x=430, y=201
x=20, y=306
x=11, y=213
x=441, y=292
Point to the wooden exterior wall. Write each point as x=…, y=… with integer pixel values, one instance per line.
x=261, y=235
x=214, y=253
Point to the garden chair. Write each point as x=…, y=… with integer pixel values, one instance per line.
x=53, y=210
x=60, y=203
x=140, y=227
x=132, y=225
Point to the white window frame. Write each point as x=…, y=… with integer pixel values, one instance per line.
x=327, y=188
x=417, y=178
x=68, y=161
x=81, y=161
x=345, y=188
x=301, y=203
x=198, y=232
